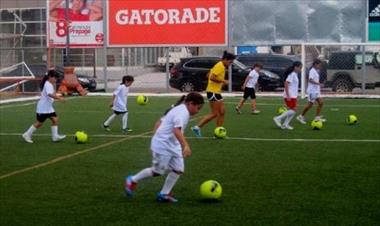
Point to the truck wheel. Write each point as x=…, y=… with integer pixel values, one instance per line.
x=187, y=86
x=342, y=85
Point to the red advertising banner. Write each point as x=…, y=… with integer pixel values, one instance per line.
x=84, y=22
x=167, y=22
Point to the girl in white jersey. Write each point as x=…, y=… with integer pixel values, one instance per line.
x=119, y=104
x=249, y=89
x=314, y=93
x=45, y=108
x=290, y=96
x=169, y=147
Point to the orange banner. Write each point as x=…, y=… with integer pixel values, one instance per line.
x=167, y=22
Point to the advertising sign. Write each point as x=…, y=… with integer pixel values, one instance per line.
x=167, y=22
x=84, y=20
x=374, y=20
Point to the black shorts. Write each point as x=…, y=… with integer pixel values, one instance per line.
x=41, y=117
x=249, y=92
x=214, y=96
x=119, y=112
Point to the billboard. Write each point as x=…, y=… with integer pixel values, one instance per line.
x=83, y=18
x=374, y=20
x=167, y=23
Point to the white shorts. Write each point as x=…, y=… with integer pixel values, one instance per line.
x=164, y=163
x=312, y=97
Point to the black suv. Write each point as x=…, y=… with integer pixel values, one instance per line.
x=276, y=63
x=39, y=70
x=191, y=75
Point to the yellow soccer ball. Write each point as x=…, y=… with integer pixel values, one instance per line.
x=211, y=190
x=220, y=132
x=352, y=119
x=316, y=124
x=142, y=100
x=80, y=137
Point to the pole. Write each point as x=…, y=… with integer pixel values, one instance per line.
x=105, y=31
x=229, y=35
x=303, y=73
x=167, y=69
x=67, y=49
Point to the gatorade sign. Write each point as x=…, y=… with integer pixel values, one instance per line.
x=167, y=22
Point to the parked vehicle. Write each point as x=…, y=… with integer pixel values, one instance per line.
x=39, y=71
x=344, y=71
x=175, y=55
x=191, y=75
x=276, y=63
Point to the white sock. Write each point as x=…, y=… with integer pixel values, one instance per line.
x=289, y=117
x=54, y=131
x=170, y=181
x=110, y=119
x=124, y=121
x=31, y=130
x=145, y=173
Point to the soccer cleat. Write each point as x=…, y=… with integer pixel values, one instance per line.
x=301, y=119
x=277, y=122
x=197, y=131
x=127, y=130
x=320, y=118
x=27, y=138
x=58, y=138
x=237, y=109
x=106, y=128
x=166, y=198
x=129, y=186
x=255, y=112
x=287, y=127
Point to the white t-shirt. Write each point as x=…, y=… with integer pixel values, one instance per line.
x=120, y=101
x=293, y=85
x=313, y=88
x=254, y=76
x=164, y=141
x=45, y=104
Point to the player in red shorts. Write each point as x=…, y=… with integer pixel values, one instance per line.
x=290, y=96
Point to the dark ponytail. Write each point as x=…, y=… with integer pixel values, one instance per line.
x=228, y=56
x=193, y=97
x=291, y=69
x=51, y=73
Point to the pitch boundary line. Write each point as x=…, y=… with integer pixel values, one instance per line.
x=213, y=138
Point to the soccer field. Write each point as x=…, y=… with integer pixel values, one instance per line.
x=269, y=176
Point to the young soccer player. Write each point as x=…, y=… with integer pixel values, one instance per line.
x=215, y=84
x=249, y=89
x=169, y=147
x=45, y=108
x=314, y=93
x=119, y=104
x=290, y=96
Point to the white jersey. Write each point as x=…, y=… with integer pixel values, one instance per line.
x=254, y=76
x=313, y=88
x=45, y=104
x=120, y=101
x=293, y=85
x=164, y=141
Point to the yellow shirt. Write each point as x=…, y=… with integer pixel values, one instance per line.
x=218, y=71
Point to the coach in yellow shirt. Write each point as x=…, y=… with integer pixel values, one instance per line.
x=215, y=84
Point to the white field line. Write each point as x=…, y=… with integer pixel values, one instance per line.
x=213, y=138
x=68, y=156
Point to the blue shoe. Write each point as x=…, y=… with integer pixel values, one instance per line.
x=197, y=131
x=129, y=186
x=166, y=198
